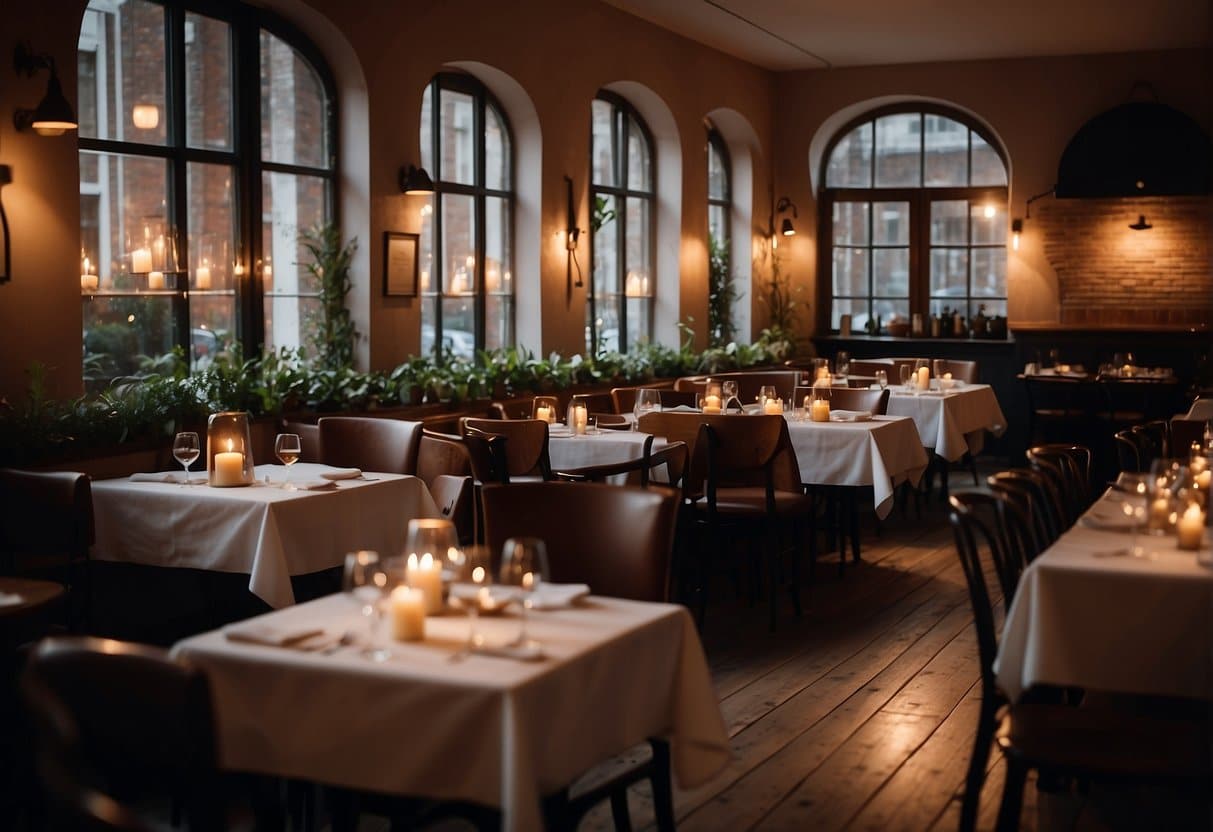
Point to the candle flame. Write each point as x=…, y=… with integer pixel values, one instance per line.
x=427, y=561
x=229, y=446
x=528, y=580
x=478, y=575
x=412, y=563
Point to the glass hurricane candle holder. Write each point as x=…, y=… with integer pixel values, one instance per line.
x=1167, y=481
x=578, y=418
x=229, y=450
x=1192, y=514
x=545, y=408
x=713, y=397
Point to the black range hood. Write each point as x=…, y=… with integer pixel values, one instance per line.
x=1142, y=148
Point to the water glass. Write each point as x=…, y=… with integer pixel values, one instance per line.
x=938, y=367
x=648, y=400
x=882, y=378
x=185, y=450
x=904, y=374
x=729, y=390
x=766, y=391
x=842, y=363
x=524, y=566
x=365, y=580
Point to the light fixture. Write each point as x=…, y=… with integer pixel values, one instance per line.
x=571, y=234
x=6, y=176
x=53, y=115
x=1016, y=230
x=1141, y=224
x=786, y=228
x=145, y=116
x=414, y=180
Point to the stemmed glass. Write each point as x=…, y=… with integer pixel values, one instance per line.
x=766, y=391
x=471, y=576
x=648, y=400
x=365, y=581
x=882, y=378
x=842, y=363
x=185, y=450
x=1135, y=487
x=903, y=375
x=288, y=448
x=729, y=389
x=524, y=565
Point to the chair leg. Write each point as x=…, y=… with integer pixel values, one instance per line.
x=663, y=788
x=977, y=770
x=944, y=465
x=1012, y=797
x=853, y=511
x=619, y=810
x=972, y=463
x=795, y=569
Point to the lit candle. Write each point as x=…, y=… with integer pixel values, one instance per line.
x=711, y=404
x=426, y=575
x=948, y=376
x=1126, y=370
x=819, y=411
x=1160, y=513
x=155, y=280
x=1204, y=479
x=823, y=373
x=88, y=281
x=924, y=378
x=543, y=413
x=579, y=419
x=141, y=261
x=1191, y=528
x=202, y=277
x=408, y=614
x=229, y=467
x=773, y=407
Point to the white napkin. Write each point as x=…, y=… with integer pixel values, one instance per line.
x=559, y=430
x=10, y=599
x=253, y=632
x=158, y=476
x=1108, y=516
x=549, y=596
x=341, y=474
x=315, y=485
x=682, y=408
x=850, y=416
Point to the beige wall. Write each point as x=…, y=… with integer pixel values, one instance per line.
x=1033, y=105
x=558, y=52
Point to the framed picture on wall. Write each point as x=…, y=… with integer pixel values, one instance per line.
x=400, y=264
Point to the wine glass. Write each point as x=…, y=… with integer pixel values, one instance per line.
x=1135, y=487
x=766, y=391
x=1167, y=478
x=729, y=389
x=648, y=400
x=842, y=363
x=938, y=366
x=186, y=450
x=433, y=536
x=882, y=378
x=288, y=448
x=471, y=576
x=903, y=375
x=524, y=566
x=365, y=580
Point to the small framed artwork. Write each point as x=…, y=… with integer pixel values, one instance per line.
x=400, y=264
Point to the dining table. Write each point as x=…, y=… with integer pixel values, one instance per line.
x=436, y=721
x=263, y=530
x=1089, y=614
x=950, y=422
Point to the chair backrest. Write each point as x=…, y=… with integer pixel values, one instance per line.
x=1005, y=532
x=611, y=421
x=45, y=513
x=617, y=539
x=526, y=449
x=1074, y=463
x=748, y=384
x=691, y=384
x=875, y=402
x=387, y=445
x=1185, y=431
x=624, y=398
x=1128, y=451
x=487, y=455
x=596, y=402
x=1201, y=409
x=679, y=398
x=309, y=440
x=1037, y=496
x=900, y=361
x=748, y=450
x=126, y=717
x=514, y=409
x=966, y=371
x=445, y=465
x=1154, y=440
x=868, y=367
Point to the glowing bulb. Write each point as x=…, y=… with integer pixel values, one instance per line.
x=989, y=212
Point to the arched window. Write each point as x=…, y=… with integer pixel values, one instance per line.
x=914, y=214
x=466, y=231
x=620, y=300
x=721, y=292
x=193, y=197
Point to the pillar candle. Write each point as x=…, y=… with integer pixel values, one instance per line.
x=1191, y=528
x=924, y=378
x=141, y=261
x=229, y=467
x=819, y=411
x=88, y=282
x=426, y=575
x=543, y=413
x=202, y=277
x=408, y=614
x=773, y=407
x=711, y=404
x=155, y=280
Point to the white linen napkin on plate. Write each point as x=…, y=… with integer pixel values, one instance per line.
x=10, y=599
x=548, y=596
x=342, y=473
x=1108, y=516
x=315, y=485
x=158, y=476
x=302, y=637
x=850, y=416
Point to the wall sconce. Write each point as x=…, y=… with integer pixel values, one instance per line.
x=145, y=116
x=571, y=234
x=1141, y=224
x=53, y=115
x=1017, y=224
x=6, y=176
x=785, y=228
x=415, y=181
x=1016, y=230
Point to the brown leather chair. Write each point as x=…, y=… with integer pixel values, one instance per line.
x=875, y=402
x=869, y=366
x=128, y=717
x=748, y=384
x=386, y=445
x=610, y=421
x=526, y=448
x=966, y=371
x=513, y=409
x=595, y=402
x=46, y=529
x=444, y=464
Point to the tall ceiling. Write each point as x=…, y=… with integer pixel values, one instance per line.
x=816, y=34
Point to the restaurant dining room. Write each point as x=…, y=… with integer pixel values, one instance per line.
x=606, y=414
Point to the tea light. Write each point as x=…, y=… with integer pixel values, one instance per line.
x=773, y=407
x=1191, y=527
x=924, y=378
x=229, y=467
x=155, y=280
x=425, y=575
x=408, y=614
x=1127, y=370
x=1204, y=479
x=711, y=404
x=948, y=376
x=819, y=410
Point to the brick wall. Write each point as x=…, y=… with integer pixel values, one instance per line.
x=1108, y=273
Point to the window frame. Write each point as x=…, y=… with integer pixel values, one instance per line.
x=621, y=110
x=244, y=158
x=919, y=197
x=483, y=100
x=717, y=143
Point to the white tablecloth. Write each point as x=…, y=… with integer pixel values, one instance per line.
x=607, y=447
x=1085, y=618
x=952, y=422
x=263, y=531
x=495, y=731
x=881, y=453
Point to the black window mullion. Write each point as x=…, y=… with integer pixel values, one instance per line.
x=621, y=260
x=438, y=272
x=479, y=209
x=178, y=197
x=249, y=291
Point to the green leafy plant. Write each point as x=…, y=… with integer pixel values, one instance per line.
x=334, y=335
x=722, y=293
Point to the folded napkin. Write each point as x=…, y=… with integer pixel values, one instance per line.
x=682, y=408
x=341, y=474
x=549, y=596
x=10, y=599
x=1109, y=516
x=315, y=485
x=850, y=416
x=253, y=632
x=158, y=476
x=559, y=430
